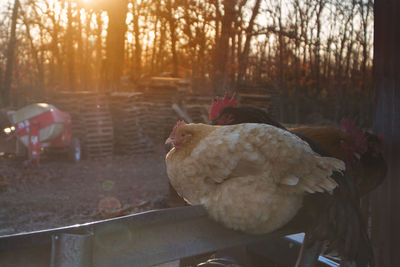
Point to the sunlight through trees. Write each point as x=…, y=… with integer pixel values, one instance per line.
x=301, y=51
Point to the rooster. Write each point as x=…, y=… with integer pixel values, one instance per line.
x=361, y=151
x=258, y=178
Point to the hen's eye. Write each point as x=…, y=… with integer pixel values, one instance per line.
x=182, y=134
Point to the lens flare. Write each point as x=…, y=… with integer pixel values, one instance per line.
x=108, y=185
x=109, y=207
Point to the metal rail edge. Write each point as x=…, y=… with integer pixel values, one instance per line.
x=143, y=239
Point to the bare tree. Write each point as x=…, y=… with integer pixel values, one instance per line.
x=318, y=16
x=221, y=55
x=305, y=50
x=5, y=93
x=115, y=43
x=70, y=53
x=137, y=50
x=244, y=55
x=35, y=53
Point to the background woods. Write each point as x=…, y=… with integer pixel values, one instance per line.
x=311, y=56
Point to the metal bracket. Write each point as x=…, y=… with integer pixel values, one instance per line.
x=71, y=250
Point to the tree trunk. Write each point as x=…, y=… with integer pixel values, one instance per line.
x=101, y=75
x=317, y=54
x=161, y=45
x=244, y=55
x=154, y=52
x=138, y=47
x=172, y=28
x=115, y=44
x=221, y=54
x=70, y=50
x=5, y=93
x=35, y=55
x=281, y=82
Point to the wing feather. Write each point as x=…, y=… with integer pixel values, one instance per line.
x=257, y=149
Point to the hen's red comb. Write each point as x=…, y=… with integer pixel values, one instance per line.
x=179, y=123
x=218, y=105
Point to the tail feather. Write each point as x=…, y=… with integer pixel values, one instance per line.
x=340, y=222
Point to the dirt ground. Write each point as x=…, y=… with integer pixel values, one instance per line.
x=60, y=193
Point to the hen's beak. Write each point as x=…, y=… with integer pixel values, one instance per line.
x=170, y=140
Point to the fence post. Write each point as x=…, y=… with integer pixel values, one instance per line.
x=72, y=250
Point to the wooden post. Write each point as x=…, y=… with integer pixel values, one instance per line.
x=385, y=201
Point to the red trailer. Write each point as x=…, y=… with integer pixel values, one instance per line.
x=42, y=125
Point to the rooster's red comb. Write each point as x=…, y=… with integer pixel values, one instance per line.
x=380, y=137
x=218, y=105
x=350, y=127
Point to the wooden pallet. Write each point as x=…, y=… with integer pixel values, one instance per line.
x=128, y=113
x=91, y=121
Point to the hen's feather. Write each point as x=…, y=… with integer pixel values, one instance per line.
x=250, y=177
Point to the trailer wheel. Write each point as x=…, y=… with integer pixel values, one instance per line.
x=75, y=150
